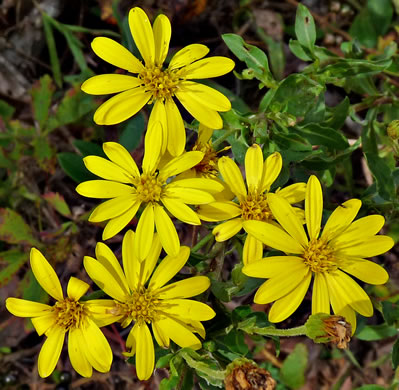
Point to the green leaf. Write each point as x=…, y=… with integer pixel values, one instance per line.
x=6, y=111
x=14, y=230
x=58, y=202
x=370, y=387
x=294, y=366
x=339, y=113
x=72, y=164
x=395, y=355
x=15, y=260
x=305, y=29
x=390, y=311
x=42, y=92
x=254, y=57
x=132, y=132
x=376, y=332
x=89, y=148
x=298, y=50
x=43, y=152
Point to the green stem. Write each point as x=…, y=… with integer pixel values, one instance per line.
x=270, y=331
x=203, y=242
x=226, y=134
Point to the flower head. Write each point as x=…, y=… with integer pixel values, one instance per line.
x=156, y=84
x=128, y=189
x=87, y=346
x=146, y=299
x=252, y=198
x=328, y=255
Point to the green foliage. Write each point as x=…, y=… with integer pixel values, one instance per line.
x=294, y=367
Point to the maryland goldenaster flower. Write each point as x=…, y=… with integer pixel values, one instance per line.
x=158, y=85
x=128, y=189
x=87, y=346
x=146, y=300
x=253, y=205
x=330, y=256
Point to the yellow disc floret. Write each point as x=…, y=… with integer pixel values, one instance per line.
x=208, y=166
x=319, y=257
x=70, y=313
x=149, y=188
x=255, y=207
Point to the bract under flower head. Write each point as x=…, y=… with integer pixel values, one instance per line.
x=328, y=255
x=156, y=84
x=128, y=189
x=142, y=296
x=87, y=346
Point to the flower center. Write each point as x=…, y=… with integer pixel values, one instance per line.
x=141, y=306
x=149, y=188
x=161, y=83
x=207, y=167
x=255, y=207
x=319, y=257
x=70, y=313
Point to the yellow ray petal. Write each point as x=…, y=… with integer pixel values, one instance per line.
x=188, y=195
x=209, y=67
x=294, y=193
x=131, y=263
x=152, y=146
x=205, y=96
x=209, y=185
x=187, y=308
x=106, y=257
x=209, y=117
x=286, y=305
x=102, y=311
x=167, y=231
x=273, y=236
x=107, y=169
x=365, y=270
x=161, y=337
x=104, y=279
x=117, y=55
x=350, y=316
x=269, y=267
x=287, y=218
x=204, y=134
x=179, y=333
x=115, y=225
x=109, y=83
x=113, y=208
x=187, y=55
x=253, y=167
x=185, y=288
x=76, y=288
x=142, y=33
x=180, y=164
x=158, y=114
x=281, y=284
x=145, y=356
x=228, y=229
x=176, y=132
x=51, y=351
x=252, y=251
x=232, y=176
x=271, y=170
x=44, y=323
x=103, y=189
x=320, y=296
x=181, y=211
x=97, y=351
x=148, y=265
x=144, y=233
x=120, y=156
x=23, y=308
x=76, y=353
x=313, y=206
x=45, y=275
x=121, y=106
x=219, y=211
x=368, y=247
x=162, y=32
x=341, y=218
x=168, y=268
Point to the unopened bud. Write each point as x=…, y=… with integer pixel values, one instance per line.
x=244, y=374
x=324, y=328
x=393, y=129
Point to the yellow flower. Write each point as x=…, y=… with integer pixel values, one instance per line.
x=87, y=346
x=146, y=300
x=128, y=189
x=329, y=256
x=253, y=204
x=154, y=83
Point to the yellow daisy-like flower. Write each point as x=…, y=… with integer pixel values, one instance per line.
x=154, y=83
x=329, y=256
x=253, y=204
x=87, y=346
x=128, y=189
x=147, y=299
